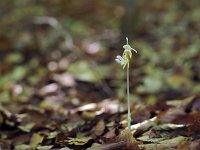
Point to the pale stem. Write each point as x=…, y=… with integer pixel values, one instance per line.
x=128, y=99
x=126, y=40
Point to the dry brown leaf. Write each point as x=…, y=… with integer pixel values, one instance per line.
x=99, y=128
x=110, y=134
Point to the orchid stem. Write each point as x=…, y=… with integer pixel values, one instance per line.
x=128, y=100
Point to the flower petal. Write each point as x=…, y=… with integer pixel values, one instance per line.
x=134, y=50
x=119, y=57
x=118, y=61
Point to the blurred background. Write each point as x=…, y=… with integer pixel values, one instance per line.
x=65, y=49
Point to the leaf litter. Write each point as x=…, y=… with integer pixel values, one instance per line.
x=106, y=130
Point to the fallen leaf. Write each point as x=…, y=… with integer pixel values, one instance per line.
x=189, y=145
x=112, y=146
x=143, y=126
x=5, y=144
x=36, y=139
x=99, y=128
x=149, y=139
x=22, y=147
x=168, y=126
x=27, y=127
x=52, y=135
x=78, y=141
x=161, y=144
x=44, y=147
x=65, y=148
x=110, y=134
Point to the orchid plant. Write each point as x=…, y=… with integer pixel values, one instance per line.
x=124, y=62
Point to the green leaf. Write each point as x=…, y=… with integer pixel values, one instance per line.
x=52, y=135
x=27, y=127
x=18, y=73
